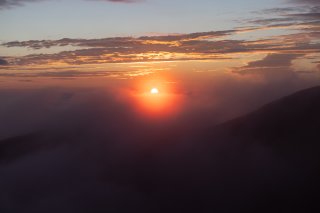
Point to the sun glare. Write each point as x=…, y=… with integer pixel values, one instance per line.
x=154, y=91
x=156, y=99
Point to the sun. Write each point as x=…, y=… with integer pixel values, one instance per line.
x=156, y=100
x=154, y=91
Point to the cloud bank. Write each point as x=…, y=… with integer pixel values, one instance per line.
x=194, y=46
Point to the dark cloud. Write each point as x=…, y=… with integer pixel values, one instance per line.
x=3, y=62
x=274, y=60
x=312, y=2
x=282, y=10
x=13, y=3
x=194, y=46
x=306, y=16
x=69, y=74
x=10, y=3
x=129, y=49
x=118, y=42
x=290, y=15
x=274, y=67
x=270, y=21
x=120, y=1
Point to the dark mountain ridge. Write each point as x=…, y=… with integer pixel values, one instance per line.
x=290, y=121
x=266, y=161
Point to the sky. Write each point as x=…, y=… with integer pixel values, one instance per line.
x=98, y=19
x=152, y=42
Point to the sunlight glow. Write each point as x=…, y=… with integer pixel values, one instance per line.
x=156, y=98
x=154, y=91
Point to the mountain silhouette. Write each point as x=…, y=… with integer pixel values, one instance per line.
x=265, y=161
x=287, y=130
x=290, y=121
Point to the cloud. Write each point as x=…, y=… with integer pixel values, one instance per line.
x=281, y=10
x=72, y=74
x=120, y=1
x=274, y=70
x=274, y=60
x=209, y=45
x=14, y=3
x=3, y=62
x=116, y=42
x=312, y=2
x=194, y=46
x=289, y=15
x=270, y=20
x=5, y=4
x=273, y=67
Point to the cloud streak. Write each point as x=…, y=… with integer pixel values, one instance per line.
x=194, y=46
x=209, y=45
x=3, y=62
x=5, y=4
x=312, y=2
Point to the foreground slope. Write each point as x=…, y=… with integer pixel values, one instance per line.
x=289, y=123
x=266, y=161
